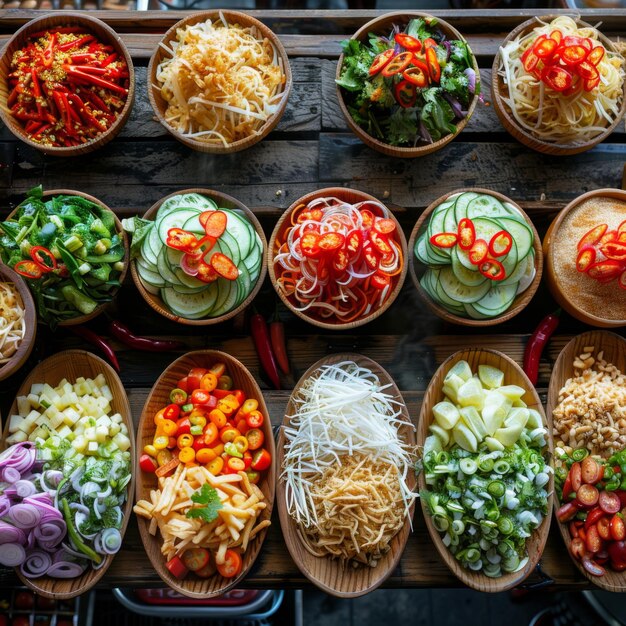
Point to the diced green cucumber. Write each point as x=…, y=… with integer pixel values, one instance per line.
x=470, y=277
x=459, y=292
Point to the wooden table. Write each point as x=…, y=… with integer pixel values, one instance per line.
x=311, y=149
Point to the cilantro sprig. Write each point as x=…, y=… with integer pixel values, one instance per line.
x=210, y=501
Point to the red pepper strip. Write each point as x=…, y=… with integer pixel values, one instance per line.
x=109, y=60
x=28, y=269
x=466, y=234
x=417, y=76
x=408, y=42
x=12, y=99
x=614, y=250
x=398, y=64
x=36, y=91
x=492, y=269
x=444, y=240
x=608, y=270
x=429, y=42
x=48, y=53
x=279, y=345
x=380, y=61
x=262, y=343
x=95, y=340
x=81, y=41
x=586, y=257
x=83, y=57
x=74, y=72
x=593, y=236
x=126, y=336
x=41, y=130
x=537, y=342
x=77, y=30
x=434, y=69
x=43, y=257
x=529, y=60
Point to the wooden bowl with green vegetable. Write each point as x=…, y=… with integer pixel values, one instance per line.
x=404, y=104
x=75, y=253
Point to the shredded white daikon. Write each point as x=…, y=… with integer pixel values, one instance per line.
x=12, y=321
x=222, y=82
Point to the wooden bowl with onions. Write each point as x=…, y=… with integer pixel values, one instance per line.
x=460, y=302
x=432, y=426
x=327, y=263
x=565, y=140
x=217, y=139
x=19, y=340
x=213, y=584
x=209, y=311
x=383, y=26
x=87, y=116
x=71, y=365
x=591, y=300
x=337, y=575
x=79, y=318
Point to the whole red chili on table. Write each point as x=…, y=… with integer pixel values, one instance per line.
x=279, y=344
x=536, y=344
x=95, y=340
x=261, y=337
x=126, y=336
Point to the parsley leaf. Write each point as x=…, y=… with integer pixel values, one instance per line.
x=207, y=496
x=401, y=127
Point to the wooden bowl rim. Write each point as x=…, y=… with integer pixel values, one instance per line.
x=156, y=303
x=268, y=484
x=288, y=524
x=115, y=40
x=521, y=300
x=81, y=319
x=525, y=137
x=616, y=194
x=338, y=192
x=231, y=17
x=551, y=402
x=377, y=144
x=63, y=358
x=476, y=580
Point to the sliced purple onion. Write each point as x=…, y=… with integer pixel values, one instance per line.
x=21, y=456
x=30, y=542
x=426, y=136
x=51, y=532
x=72, y=551
x=11, y=492
x=455, y=104
x=111, y=540
x=64, y=569
x=5, y=505
x=471, y=78
x=397, y=49
x=24, y=515
x=25, y=488
x=11, y=534
x=448, y=47
x=36, y=564
x=12, y=554
x=10, y=475
x=45, y=508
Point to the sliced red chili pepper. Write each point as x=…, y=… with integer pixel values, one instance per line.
x=341, y=260
x=380, y=281
x=576, y=86
x=309, y=244
x=593, y=236
x=557, y=35
x=573, y=55
x=614, y=250
x=575, y=40
x=466, y=233
x=608, y=237
x=420, y=62
x=479, y=251
x=44, y=258
x=608, y=270
x=224, y=266
x=384, y=226
x=596, y=55
x=380, y=243
x=591, y=83
x=429, y=42
x=529, y=60
x=405, y=93
x=586, y=257
x=434, y=69
x=180, y=239
x=28, y=268
x=368, y=218
x=587, y=71
x=329, y=242
x=545, y=48
x=492, y=269
x=398, y=64
x=370, y=258
x=354, y=243
x=215, y=224
x=416, y=76
x=622, y=280
x=408, y=42
x=501, y=243
x=556, y=78
x=380, y=61
x=206, y=273
x=444, y=240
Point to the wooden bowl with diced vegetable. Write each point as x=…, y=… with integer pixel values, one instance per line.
x=455, y=284
x=164, y=276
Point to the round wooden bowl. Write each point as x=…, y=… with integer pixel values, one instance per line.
x=194, y=586
x=535, y=544
x=382, y=26
x=228, y=202
x=105, y=34
x=25, y=347
x=71, y=364
x=334, y=576
x=81, y=319
x=346, y=195
x=159, y=104
x=500, y=90
x=614, y=347
x=417, y=269
x=566, y=300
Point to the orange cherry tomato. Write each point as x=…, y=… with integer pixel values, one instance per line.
x=231, y=566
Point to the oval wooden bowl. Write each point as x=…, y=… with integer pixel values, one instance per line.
x=30, y=320
x=159, y=104
x=228, y=202
x=71, y=364
x=346, y=195
x=105, y=34
x=81, y=319
x=331, y=575
x=193, y=586
x=500, y=90
x=535, y=544
x=417, y=269
x=382, y=26
x=552, y=278
x=614, y=347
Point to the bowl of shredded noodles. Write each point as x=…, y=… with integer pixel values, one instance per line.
x=558, y=85
x=219, y=81
x=18, y=321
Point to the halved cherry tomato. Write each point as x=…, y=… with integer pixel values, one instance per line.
x=466, y=233
x=566, y=512
x=255, y=438
x=434, y=69
x=444, y=240
x=587, y=495
x=575, y=473
x=614, y=251
x=544, y=47
x=492, y=269
x=592, y=237
x=380, y=281
x=408, y=42
x=596, y=55
x=556, y=78
x=577, y=548
x=231, y=566
x=609, y=502
x=180, y=239
x=618, y=529
x=604, y=528
x=309, y=244
x=329, y=242
x=608, y=270
x=590, y=471
x=224, y=266
x=44, y=258
x=416, y=76
x=354, y=243
x=593, y=516
x=529, y=60
x=585, y=258
x=593, y=541
x=380, y=61
x=478, y=252
x=261, y=460
x=397, y=64
x=501, y=243
x=28, y=268
x=405, y=93
x=195, y=558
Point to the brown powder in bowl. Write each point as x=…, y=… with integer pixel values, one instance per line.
x=606, y=301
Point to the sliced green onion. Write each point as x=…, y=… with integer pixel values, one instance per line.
x=505, y=525
x=486, y=464
x=579, y=454
x=441, y=523
x=496, y=488
x=501, y=467
x=468, y=466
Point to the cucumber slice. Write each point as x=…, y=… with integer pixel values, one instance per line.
x=146, y=264
x=474, y=313
x=420, y=249
x=498, y=299
x=186, y=201
x=153, y=241
x=193, y=225
x=486, y=228
x=510, y=261
x=165, y=271
x=435, y=226
x=152, y=278
x=245, y=284
x=191, y=306
x=486, y=206
x=241, y=230
x=527, y=278
x=459, y=292
x=229, y=242
x=227, y=298
x=153, y=289
x=189, y=290
x=449, y=221
x=444, y=299
x=147, y=253
x=523, y=266
x=460, y=207
x=174, y=219
x=521, y=233
x=173, y=257
x=470, y=277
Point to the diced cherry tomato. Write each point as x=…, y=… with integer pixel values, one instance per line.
x=604, y=528
x=501, y=243
x=596, y=55
x=585, y=259
x=444, y=240
x=28, y=269
x=478, y=252
x=434, y=69
x=492, y=269
x=577, y=548
x=408, y=42
x=397, y=64
x=544, y=47
x=194, y=378
x=255, y=419
x=609, y=502
x=380, y=61
x=330, y=242
x=592, y=567
x=575, y=473
x=405, y=93
x=231, y=566
x=147, y=463
x=590, y=471
x=180, y=239
x=593, y=542
x=380, y=281
x=605, y=270
x=416, y=76
x=176, y=567
x=529, y=60
x=255, y=438
x=354, y=243
x=261, y=460
x=195, y=558
x=556, y=77
x=592, y=237
x=466, y=234
x=587, y=495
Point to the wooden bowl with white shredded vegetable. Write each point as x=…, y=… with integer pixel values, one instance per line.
x=18, y=322
x=234, y=112
x=341, y=570
x=551, y=92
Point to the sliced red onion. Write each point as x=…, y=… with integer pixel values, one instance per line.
x=36, y=564
x=72, y=551
x=426, y=136
x=45, y=507
x=30, y=541
x=11, y=534
x=64, y=569
x=111, y=540
x=25, y=488
x=51, y=532
x=471, y=77
x=24, y=515
x=448, y=48
x=12, y=554
x=11, y=492
x=455, y=104
x=21, y=456
x=10, y=475
x=5, y=505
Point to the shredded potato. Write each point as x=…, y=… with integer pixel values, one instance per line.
x=12, y=321
x=549, y=115
x=222, y=82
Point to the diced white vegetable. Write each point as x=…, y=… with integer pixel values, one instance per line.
x=17, y=437
x=446, y=415
x=14, y=423
x=121, y=441
x=23, y=406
